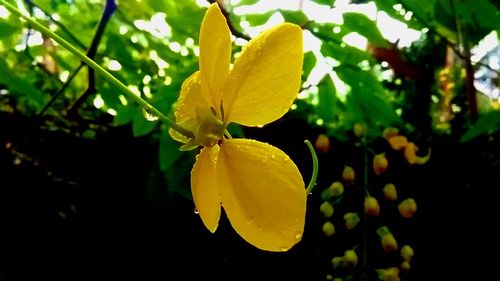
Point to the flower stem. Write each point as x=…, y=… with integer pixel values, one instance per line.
x=99, y=69
x=314, y=176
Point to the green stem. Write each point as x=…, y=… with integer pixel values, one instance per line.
x=366, y=193
x=99, y=69
x=314, y=176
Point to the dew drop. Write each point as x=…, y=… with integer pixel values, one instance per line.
x=273, y=156
x=283, y=249
x=196, y=211
x=150, y=117
x=298, y=235
x=261, y=229
x=286, y=159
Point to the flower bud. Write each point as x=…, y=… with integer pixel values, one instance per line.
x=407, y=208
x=350, y=259
x=390, y=192
x=388, y=274
x=337, y=261
x=327, y=209
x=407, y=252
x=390, y=132
x=411, y=153
x=398, y=142
x=389, y=243
x=322, y=143
x=348, y=174
x=336, y=189
x=405, y=266
x=328, y=229
x=359, y=129
x=380, y=163
x=372, y=208
x=351, y=220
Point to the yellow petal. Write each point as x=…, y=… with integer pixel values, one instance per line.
x=262, y=193
x=215, y=54
x=266, y=77
x=204, y=187
x=189, y=99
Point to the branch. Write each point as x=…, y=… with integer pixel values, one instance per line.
x=469, y=71
x=448, y=42
x=61, y=90
x=232, y=28
x=109, y=9
x=27, y=39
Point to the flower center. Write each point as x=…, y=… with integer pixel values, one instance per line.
x=210, y=127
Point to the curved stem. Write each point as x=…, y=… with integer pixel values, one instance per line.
x=99, y=69
x=314, y=176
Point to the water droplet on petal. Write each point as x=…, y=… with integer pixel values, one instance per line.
x=286, y=159
x=196, y=211
x=298, y=235
x=284, y=249
x=261, y=229
x=273, y=156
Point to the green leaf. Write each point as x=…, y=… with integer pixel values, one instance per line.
x=345, y=53
x=388, y=7
x=140, y=125
x=325, y=31
x=297, y=17
x=258, y=19
x=327, y=106
x=169, y=151
x=7, y=29
x=235, y=130
x=177, y=177
x=478, y=13
x=308, y=64
x=22, y=87
x=368, y=94
x=487, y=123
x=125, y=114
x=361, y=80
x=109, y=94
x=363, y=25
x=422, y=12
x=184, y=16
x=247, y=2
x=324, y=2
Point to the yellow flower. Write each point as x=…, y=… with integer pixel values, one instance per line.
x=259, y=187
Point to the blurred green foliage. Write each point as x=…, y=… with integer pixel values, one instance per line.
x=151, y=46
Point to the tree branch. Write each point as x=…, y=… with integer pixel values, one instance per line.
x=232, y=28
x=448, y=42
x=469, y=71
x=61, y=90
x=108, y=11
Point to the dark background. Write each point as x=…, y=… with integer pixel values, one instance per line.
x=116, y=230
